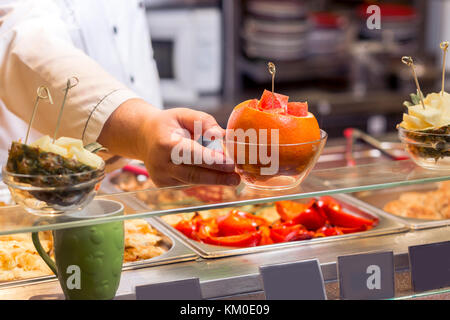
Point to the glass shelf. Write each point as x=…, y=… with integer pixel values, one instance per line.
x=159, y=202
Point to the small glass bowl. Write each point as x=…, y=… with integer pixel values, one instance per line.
x=295, y=162
x=65, y=193
x=428, y=150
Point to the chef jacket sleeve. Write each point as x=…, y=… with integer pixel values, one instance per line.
x=36, y=50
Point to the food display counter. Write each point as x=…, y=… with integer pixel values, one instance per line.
x=233, y=273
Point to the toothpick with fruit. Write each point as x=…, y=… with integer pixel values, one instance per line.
x=69, y=86
x=42, y=93
x=444, y=47
x=272, y=71
x=410, y=63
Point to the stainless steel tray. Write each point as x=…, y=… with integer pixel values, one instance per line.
x=177, y=252
x=386, y=225
x=379, y=198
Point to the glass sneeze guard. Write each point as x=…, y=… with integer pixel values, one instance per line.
x=164, y=201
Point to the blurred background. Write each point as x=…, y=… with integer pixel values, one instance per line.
x=213, y=54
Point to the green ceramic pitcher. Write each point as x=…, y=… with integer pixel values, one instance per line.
x=88, y=260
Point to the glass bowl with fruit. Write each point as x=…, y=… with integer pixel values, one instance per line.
x=274, y=143
x=425, y=130
x=52, y=178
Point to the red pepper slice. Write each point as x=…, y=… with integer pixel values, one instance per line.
x=265, y=236
x=287, y=233
x=288, y=210
x=187, y=227
x=353, y=230
x=235, y=223
x=208, y=233
x=311, y=218
x=328, y=231
x=242, y=240
x=337, y=217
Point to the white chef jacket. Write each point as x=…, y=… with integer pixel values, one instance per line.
x=104, y=43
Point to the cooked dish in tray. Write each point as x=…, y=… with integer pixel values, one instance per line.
x=19, y=259
x=431, y=205
x=279, y=222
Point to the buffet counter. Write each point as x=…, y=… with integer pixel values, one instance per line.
x=233, y=273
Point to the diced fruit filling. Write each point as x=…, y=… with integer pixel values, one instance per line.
x=436, y=113
x=68, y=148
x=279, y=104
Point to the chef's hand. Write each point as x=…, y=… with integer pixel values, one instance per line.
x=138, y=130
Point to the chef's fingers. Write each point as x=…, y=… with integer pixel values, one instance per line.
x=198, y=175
x=198, y=122
x=189, y=152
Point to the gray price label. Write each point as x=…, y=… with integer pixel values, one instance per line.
x=300, y=280
x=430, y=266
x=187, y=289
x=367, y=276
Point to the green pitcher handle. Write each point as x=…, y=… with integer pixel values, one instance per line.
x=37, y=244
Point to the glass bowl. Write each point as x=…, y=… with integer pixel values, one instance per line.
x=48, y=195
x=274, y=166
x=428, y=150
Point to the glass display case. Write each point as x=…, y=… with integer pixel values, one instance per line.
x=229, y=272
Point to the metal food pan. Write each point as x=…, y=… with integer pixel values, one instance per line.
x=379, y=198
x=176, y=252
x=386, y=225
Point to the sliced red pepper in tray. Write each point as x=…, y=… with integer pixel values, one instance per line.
x=287, y=233
x=235, y=223
x=265, y=236
x=337, y=217
x=328, y=231
x=187, y=227
x=208, y=233
x=309, y=215
x=288, y=210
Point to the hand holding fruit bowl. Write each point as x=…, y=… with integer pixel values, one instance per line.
x=274, y=143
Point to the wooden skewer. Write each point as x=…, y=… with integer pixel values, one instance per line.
x=444, y=47
x=66, y=91
x=42, y=93
x=272, y=71
x=410, y=63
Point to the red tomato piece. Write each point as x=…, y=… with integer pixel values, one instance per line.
x=298, y=109
x=273, y=102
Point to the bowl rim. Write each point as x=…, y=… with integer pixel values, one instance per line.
x=323, y=137
x=401, y=129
